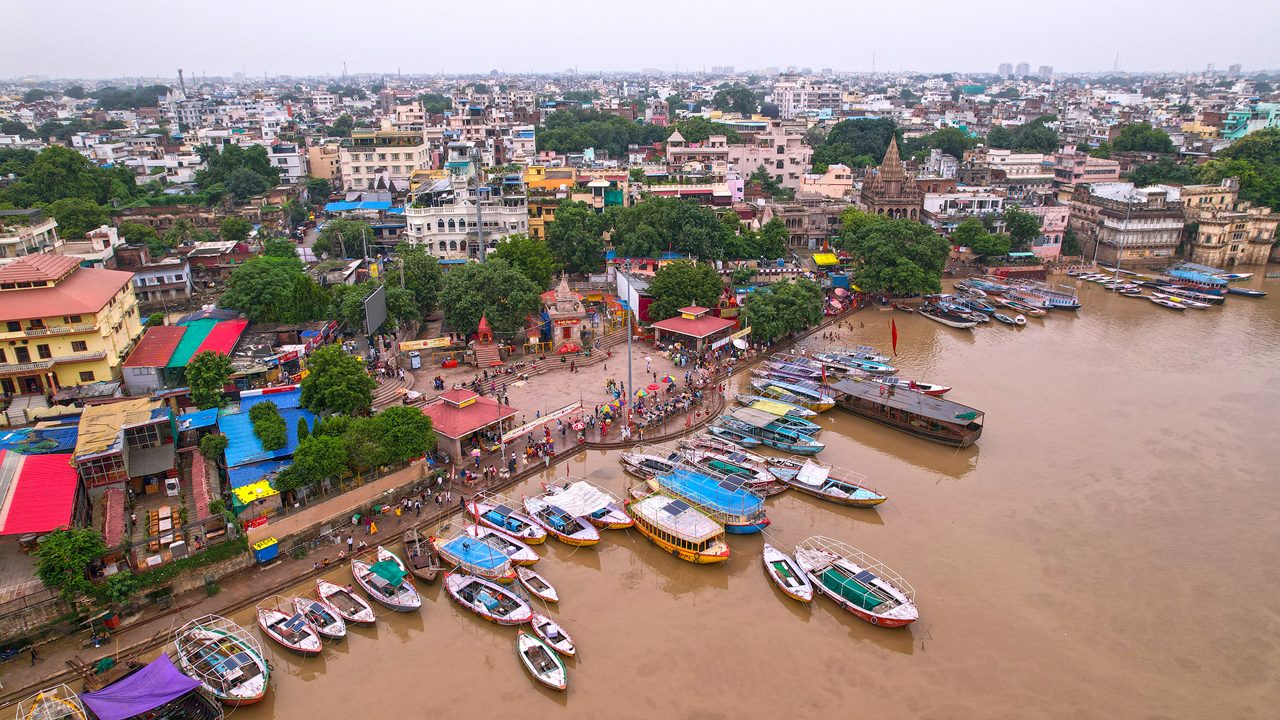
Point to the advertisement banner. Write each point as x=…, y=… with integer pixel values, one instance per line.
x=530, y=426
x=439, y=342
x=256, y=522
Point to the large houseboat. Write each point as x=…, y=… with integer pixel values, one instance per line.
x=679, y=528
x=932, y=418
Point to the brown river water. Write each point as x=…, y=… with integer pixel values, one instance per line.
x=1110, y=549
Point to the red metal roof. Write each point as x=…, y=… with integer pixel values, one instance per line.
x=156, y=346
x=43, y=494
x=452, y=421
x=84, y=292
x=698, y=327
x=224, y=336
x=199, y=484
x=33, y=268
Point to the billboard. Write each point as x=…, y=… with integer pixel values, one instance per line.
x=375, y=311
x=440, y=342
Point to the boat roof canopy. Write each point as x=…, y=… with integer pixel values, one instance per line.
x=753, y=417
x=934, y=408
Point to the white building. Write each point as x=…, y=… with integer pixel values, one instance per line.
x=291, y=159
x=945, y=211
x=26, y=232
x=443, y=217
x=801, y=97
x=372, y=153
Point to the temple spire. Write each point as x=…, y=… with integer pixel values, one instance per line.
x=891, y=168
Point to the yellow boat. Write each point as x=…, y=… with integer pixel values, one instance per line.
x=679, y=528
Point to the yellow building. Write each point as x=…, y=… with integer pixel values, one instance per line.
x=540, y=178
x=63, y=324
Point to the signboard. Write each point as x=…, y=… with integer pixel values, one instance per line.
x=530, y=426
x=424, y=344
x=256, y=522
x=726, y=340
x=563, y=322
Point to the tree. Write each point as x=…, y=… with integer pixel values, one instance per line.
x=968, y=233
x=269, y=426
x=493, y=289
x=277, y=247
x=213, y=445
x=741, y=275
x=773, y=239
x=435, y=103
x=856, y=143
x=35, y=95
x=1255, y=160
x=243, y=172
x=63, y=560
x=155, y=319
x=75, y=92
x=343, y=125
x=1023, y=227
x=682, y=283
x=1163, y=171
x=1032, y=137
x=307, y=302
x=76, y=216
x=317, y=457
x=898, y=257
x=17, y=127
x=950, y=140
x=989, y=244
x=207, y=373
x=303, y=429
x=1070, y=243
x=401, y=305
x=770, y=110
x=343, y=238
x=529, y=256
x=261, y=288
x=770, y=185
x=575, y=237
x=404, y=432
x=735, y=99
x=318, y=190
x=661, y=224
x=295, y=213
x=422, y=277
x=577, y=129
x=337, y=383
x=784, y=308
x=697, y=129
x=243, y=184
x=1141, y=137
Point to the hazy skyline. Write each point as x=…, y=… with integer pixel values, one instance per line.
x=61, y=39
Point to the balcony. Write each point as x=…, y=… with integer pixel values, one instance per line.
x=46, y=363
x=45, y=332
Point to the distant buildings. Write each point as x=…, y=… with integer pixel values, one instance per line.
x=1023, y=69
x=1005, y=70
x=391, y=154
x=802, y=97
x=1250, y=118
x=1117, y=223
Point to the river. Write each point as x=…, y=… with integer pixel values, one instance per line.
x=1110, y=548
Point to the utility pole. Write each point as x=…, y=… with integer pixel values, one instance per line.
x=364, y=244
x=627, y=306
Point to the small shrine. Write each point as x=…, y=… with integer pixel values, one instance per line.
x=565, y=311
x=484, y=350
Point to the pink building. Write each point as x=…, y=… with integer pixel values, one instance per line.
x=1053, y=224
x=1071, y=168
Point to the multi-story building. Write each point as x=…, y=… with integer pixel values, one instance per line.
x=96, y=249
x=1027, y=178
x=836, y=182
x=63, y=324
x=291, y=159
x=811, y=220
x=323, y=160
x=1071, y=168
x=802, y=97
x=444, y=216
x=1023, y=69
x=155, y=282
x=780, y=149
x=1250, y=118
x=389, y=153
x=1005, y=69
x=1053, y=225
x=944, y=211
x=705, y=160
x=26, y=232
x=1117, y=223
x=1224, y=229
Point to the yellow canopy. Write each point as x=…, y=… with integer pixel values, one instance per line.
x=825, y=259
x=254, y=491
x=771, y=407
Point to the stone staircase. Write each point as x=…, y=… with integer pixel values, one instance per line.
x=487, y=356
x=388, y=391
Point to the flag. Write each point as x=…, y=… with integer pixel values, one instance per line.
x=893, y=327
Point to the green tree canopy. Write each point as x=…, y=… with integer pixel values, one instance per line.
x=422, y=277
x=682, y=283
x=278, y=247
x=1023, y=228
x=139, y=96
x=269, y=426
x=435, y=103
x=897, y=257
x=1031, y=137
x=950, y=140
x=697, y=129
x=262, y=287
x=1141, y=137
x=661, y=224
x=63, y=560
x=244, y=172
x=856, y=143
x=529, y=256
x=575, y=237
x=318, y=190
x=575, y=130
x=58, y=172
x=1163, y=171
x=76, y=216
x=1255, y=160
x=404, y=432
x=773, y=239
x=234, y=229
x=343, y=238
x=337, y=383
x=735, y=99
x=316, y=458
x=207, y=373
x=784, y=308
x=492, y=289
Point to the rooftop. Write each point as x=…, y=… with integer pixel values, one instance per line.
x=156, y=347
x=37, y=492
x=44, y=267
x=457, y=413
x=84, y=291
x=697, y=327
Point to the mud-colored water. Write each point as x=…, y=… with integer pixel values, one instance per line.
x=1110, y=549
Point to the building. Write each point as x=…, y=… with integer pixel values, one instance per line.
x=458, y=417
x=26, y=232
x=811, y=220
x=836, y=182
x=64, y=324
x=890, y=190
x=1005, y=70
x=125, y=442
x=155, y=281
x=443, y=216
x=290, y=159
x=1026, y=178
x=1022, y=70
x=1071, y=168
x=944, y=211
x=390, y=153
x=802, y=97
x=1053, y=225
x=705, y=160
x=96, y=249
x=1225, y=230
x=1045, y=72
x=323, y=162
x=780, y=150
x=1117, y=223
x=1250, y=118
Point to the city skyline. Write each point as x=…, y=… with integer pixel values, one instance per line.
x=553, y=37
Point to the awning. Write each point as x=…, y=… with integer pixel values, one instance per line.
x=140, y=693
x=755, y=418
x=198, y=419
x=254, y=491
x=580, y=499
x=772, y=406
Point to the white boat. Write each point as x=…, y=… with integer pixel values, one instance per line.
x=476, y=551
x=290, y=629
x=517, y=550
x=1184, y=302
x=534, y=582
x=1006, y=319
x=226, y=660
x=387, y=583
x=645, y=462
x=322, y=616
x=385, y=555
x=1020, y=320
x=487, y=599
x=788, y=576
x=552, y=634
x=499, y=512
x=541, y=661
x=349, y=605
x=582, y=498
x=569, y=529
x=1166, y=303
x=857, y=582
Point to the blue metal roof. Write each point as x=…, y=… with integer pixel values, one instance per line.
x=243, y=447
x=283, y=400
x=198, y=419
x=40, y=441
x=253, y=472
x=347, y=206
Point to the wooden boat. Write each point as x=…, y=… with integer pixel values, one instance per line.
x=903, y=307
x=487, y=599
x=946, y=317
x=476, y=551
x=847, y=361
x=1272, y=275
x=857, y=582
x=826, y=482
x=1184, y=302
x=912, y=385
x=281, y=622
x=322, y=616
x=1166, y=303
x=496, y=511
x=570, y=530
x=1022, y=307
x=1019, y=320
x=679, y=528
x=723, y=498
x=518, y=551
x=550, y=632
x=1236, y=277
x=423, y=561
x=787, y=575
x=644, y=461
x=535, y=583
x=582, y=498
x=727, y=459
x=737, y=438
x=1004, y=318
x=387, y=582
x=541, y=661
x=385, y=555
x=951, y=307
x=767, y=428
x=777, y=368
x=932, y=418
x=777, y=407
x=1189, y=294
x=1246, y=292
x=224, y=658
x=810, y=395
x=350, y=607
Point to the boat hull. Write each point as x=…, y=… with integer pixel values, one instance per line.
x=691, y=556
x=862, y=614
x=846, y=501
x=746, y=528
x=522, y=614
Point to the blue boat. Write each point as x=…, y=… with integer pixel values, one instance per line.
x=722, y=497
x=763, y=426
x=811, y=395
x=1199, y=281
x=1246, y=292
x=847, y=362
x=742, y=440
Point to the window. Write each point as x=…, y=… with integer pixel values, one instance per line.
x=36, y=324
x=79, y=346
x=86, y=376
x=71, y=319
x=43, y=352
x=3, y=359
x=14, y=326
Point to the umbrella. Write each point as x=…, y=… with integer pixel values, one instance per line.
x=642, y=393
x=568, y=348
x=841, y=292
x=667, y=379
x=475, y=453
x=653, y=386
x=578, y=426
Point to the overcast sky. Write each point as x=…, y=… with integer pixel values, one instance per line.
x=69, y=38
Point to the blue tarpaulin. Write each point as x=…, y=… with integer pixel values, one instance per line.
x=243, y=447
x=198, y=419
x=253, y=472
x=145, y=690
x=40, y=441
x=348, y=206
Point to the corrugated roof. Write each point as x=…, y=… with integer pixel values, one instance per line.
x=242, y=475
x=696, y=328
x=84, y=292
x=113, y=502
x=34, y=268
x=197, y=331
x=156, y=346
x=100, y=425
x=243, y=447
x=42, y=495
x=452, y=421
x=255, y=491
x=223, y=337
x=285, y=397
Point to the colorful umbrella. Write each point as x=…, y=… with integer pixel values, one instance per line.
x=668, y=379
x=653, y=386
x=641, y=393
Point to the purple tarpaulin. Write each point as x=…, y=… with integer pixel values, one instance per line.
x=147, y=689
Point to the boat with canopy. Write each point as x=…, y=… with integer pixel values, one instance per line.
x=155, y=690
x=679, y=528
x=777, y=407
x=826, y=482
x=932, y=418
x=487, y=599
x=387, y=582
x=722, y=498
x=569, y=529
x=224, y=658
x=581, y=498
x=857, y=582
x=499, y=512
x=479, y=551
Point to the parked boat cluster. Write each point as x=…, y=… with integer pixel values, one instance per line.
x=1183, y=286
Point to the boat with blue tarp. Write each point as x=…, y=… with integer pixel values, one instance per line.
x=723, y=498
x=764, y=427
x=809, y=394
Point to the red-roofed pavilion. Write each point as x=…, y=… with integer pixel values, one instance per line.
x=693, y=326
x=461, y=420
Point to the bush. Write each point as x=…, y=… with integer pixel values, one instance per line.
x=213, y=445
x=269, y=426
